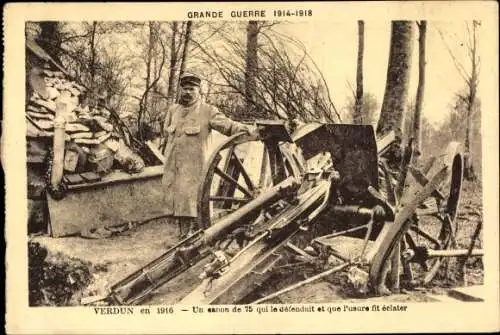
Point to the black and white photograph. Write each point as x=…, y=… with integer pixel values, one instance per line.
x=256, y=157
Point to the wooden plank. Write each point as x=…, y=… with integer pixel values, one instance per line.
x=37, y=50
x=110, y=204
x=116, y=177
x=384, y=142
x=422, y=180
x=156, y=151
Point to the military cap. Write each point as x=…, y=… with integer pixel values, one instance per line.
x=190, y=79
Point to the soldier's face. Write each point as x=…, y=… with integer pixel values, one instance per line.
x=189, y=93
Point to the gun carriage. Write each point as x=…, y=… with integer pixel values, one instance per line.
x=299, y=193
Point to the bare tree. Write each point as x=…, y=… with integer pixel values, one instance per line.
x=173, y=64
x=143, y=101
x=358, y=116
x=93, y=51
x=251, y=67
x=185, y=41
x=394, y=105
x=127, y=60
x=185, y=49
x=398, y=77
x=470, y=98
x=86, y=54
x=50, y=38
x=152, y=77
x=417, y=116
x=469, y=95
x=288, y=83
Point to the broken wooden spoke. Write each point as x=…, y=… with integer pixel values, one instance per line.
x=244, y=173
x=452, y=230
x=233, y=181
x=422, y=233
x=455, y=253
x=422, y=180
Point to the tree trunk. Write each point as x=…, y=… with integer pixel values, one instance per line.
x=417, y=117
x=148, y=65
x=251, y=68
x=185, y=49
x=172, y=88
x=471, y=101
x=358, y=105
x=398, y=78
x=50, y=38
x=92, y=61
x=144, y=101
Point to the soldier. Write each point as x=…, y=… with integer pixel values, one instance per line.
x=187, y=129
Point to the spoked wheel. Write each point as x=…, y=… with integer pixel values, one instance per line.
x=424, y=225
x=433, y=229
x=237, y=172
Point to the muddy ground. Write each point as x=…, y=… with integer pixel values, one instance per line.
x=63, y=270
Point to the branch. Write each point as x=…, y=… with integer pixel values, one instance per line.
x=268, y=25
x=460, y=68
x=70, y=38
x=222, y=72
x=158, y=76
x=210, y=36
x=301, y=45
x=349, y=86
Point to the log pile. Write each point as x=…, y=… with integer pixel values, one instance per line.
x=72, y=137
x=92, y=143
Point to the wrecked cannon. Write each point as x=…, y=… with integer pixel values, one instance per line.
x=195, y=247
x=307, y=189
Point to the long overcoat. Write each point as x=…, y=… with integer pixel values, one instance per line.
x=188, y=131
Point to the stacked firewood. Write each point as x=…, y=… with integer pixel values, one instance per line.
x=84, y=124
x=90, y=135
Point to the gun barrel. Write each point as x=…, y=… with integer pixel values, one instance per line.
x=240, y=216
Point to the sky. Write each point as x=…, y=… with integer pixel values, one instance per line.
x=333, y=46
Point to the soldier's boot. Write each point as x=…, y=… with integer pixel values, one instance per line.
x=178, y=221
x=184, y=226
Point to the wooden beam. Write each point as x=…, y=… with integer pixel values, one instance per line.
x=156, y=151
